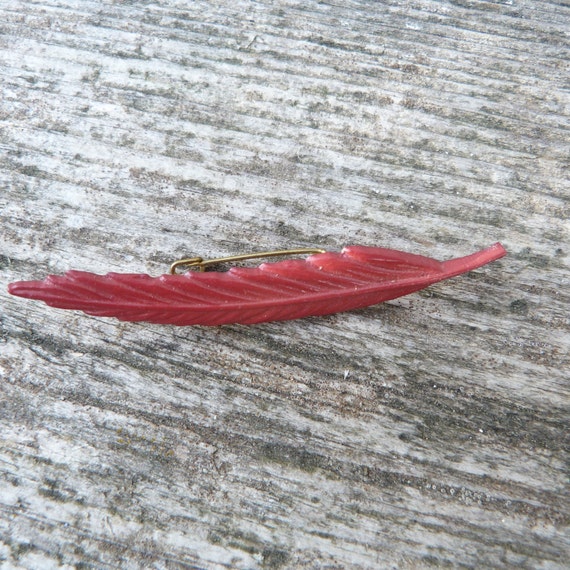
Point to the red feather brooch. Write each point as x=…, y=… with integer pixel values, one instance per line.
x=323, y=283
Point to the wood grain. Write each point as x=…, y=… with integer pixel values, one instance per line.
x=429, y=431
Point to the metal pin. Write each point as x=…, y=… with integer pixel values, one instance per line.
x=201, y=264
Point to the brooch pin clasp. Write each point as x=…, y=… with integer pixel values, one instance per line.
x=202, y=264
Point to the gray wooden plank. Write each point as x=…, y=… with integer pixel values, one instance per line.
x=431, y=430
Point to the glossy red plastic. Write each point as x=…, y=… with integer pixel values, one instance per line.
x=323, y=283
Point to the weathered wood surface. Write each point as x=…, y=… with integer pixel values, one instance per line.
x=428, y=431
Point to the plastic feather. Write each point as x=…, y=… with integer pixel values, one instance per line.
x=321, y=284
